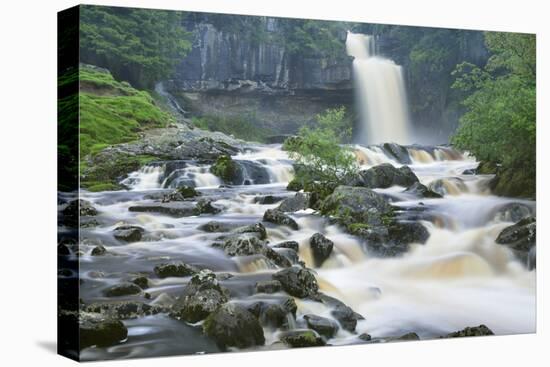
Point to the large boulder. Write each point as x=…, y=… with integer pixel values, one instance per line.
x=248, y=244
x=302, y=339
x=422, y=191
x=100, y=330
x=521, y=239
x=397, y=152
x=226, y=169
x=297, y=281
x=122, y=289
x=300, y=201
x=175, y=269
x=345, y=315
x=202, y=296
x=321, y=248
x=324, y=326
x=232, y=325
x=257, y=229
x=480, y=330
x=278, y=217
x=128, y=233
x=383, y=176
x=356, y=205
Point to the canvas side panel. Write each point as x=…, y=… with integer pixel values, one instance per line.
x=67, y=178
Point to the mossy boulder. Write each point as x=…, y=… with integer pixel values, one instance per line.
x=297, y=281
x=226, y=169
x=100, y=330
x=422, y=191
x=278, y=217
x=383, y=176
x=300, y=201
x=521, y=239
x=324, y=326
x=397, y=152
x=480, y=330
x=175, y=269
x=128, y=233
x=321, y=248
x=232, y=325
x=202, y=296
x=122, y=289
x=302, y=339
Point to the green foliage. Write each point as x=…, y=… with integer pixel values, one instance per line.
x=321, y=162
x=138, y=45
x=225, y=168
x=499, y=126
x=241, y=127
x=113, y=112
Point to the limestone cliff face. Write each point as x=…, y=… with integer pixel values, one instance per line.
x=228, y=62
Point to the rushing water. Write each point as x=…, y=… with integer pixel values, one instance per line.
x=459, y=278
x=381, y=94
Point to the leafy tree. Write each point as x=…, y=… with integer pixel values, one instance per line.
x=499, y=126
x=137, y=45
x=319, y=158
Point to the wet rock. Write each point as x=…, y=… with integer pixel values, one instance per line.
x=302, y=338
x=521, y=239
x=356, y=205
x=268, y=286
x=290, y=254
x=63, y=250
x=365, y=337
x=100, y=330
x=268, y=199
x=248, y=244
x=293, y=245
x=122, y=289
x=297, y=282
x=322, y=325
x=278, y=217
x=405, y=337
x=340, y=311
x=295, y=185
x=448, y=186
x=383, y=176
x=180, y=194
x=398, y=152
x=422, y=191
x=257, y=228
x=470, y=171
x=128, y=233
x=300, y=201
x=202, y=296
x=172, y=209
x=175, y=269
x=514, y=212
x=76, y=209
x=321, y=248
x=99, y=251
x=226, y=169
x=276, y=315
x=215, y=226
x=480, y=330
x=141, y=282
x=232, y=325
x=124, y=310
x=204, y=206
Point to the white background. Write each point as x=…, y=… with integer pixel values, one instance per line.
x=28, y=181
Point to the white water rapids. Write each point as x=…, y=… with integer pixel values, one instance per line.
x=459, y=278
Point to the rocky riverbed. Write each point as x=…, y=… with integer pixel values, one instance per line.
x=204, y=249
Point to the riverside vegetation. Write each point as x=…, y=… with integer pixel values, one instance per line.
x=199, y=233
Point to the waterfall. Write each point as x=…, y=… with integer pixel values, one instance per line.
x=381, y=95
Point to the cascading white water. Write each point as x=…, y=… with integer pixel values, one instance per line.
x=381, y=94
x=147, y=178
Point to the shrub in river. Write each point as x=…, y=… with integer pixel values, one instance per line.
x=320, y=161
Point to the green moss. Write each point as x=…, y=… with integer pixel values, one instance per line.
x=107, y=186
x=224, y=168
x=187, y=191
x=357, y=227
x=112, y=112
